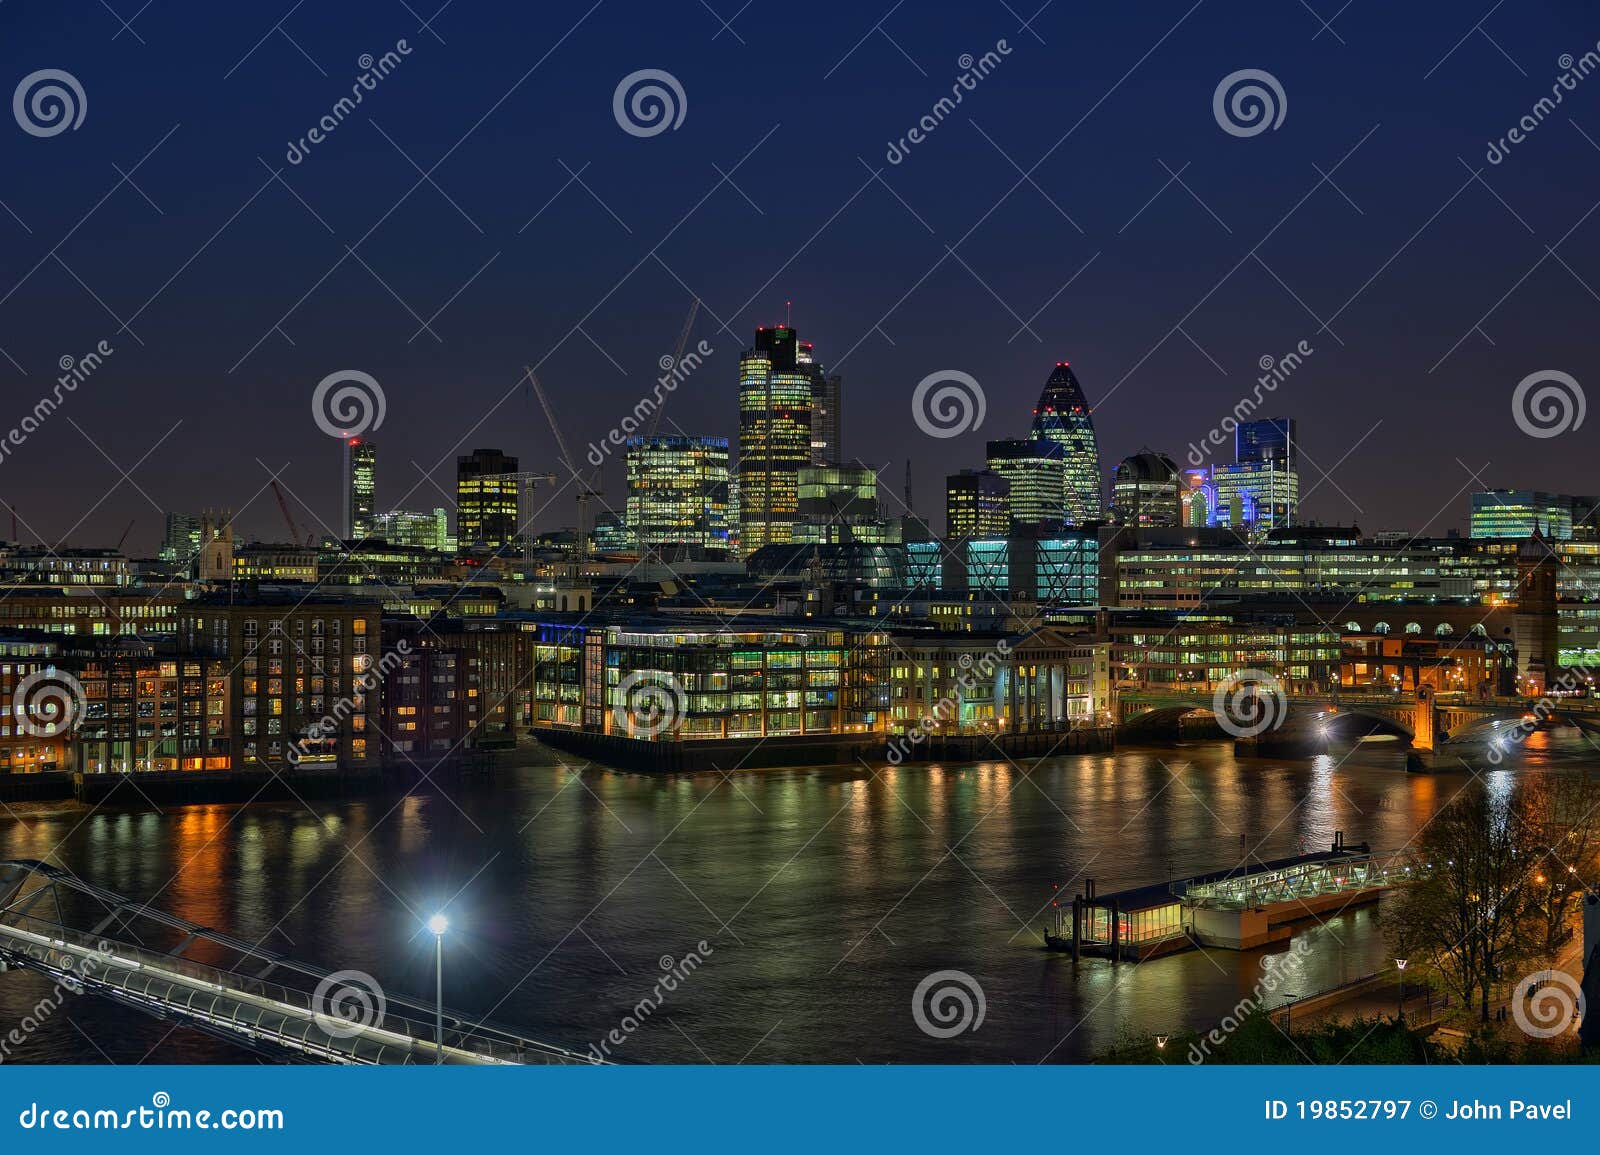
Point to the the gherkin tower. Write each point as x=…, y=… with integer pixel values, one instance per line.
x=1063, y=416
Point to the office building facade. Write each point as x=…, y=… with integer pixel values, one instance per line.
x=361, y=487
x=1146, y=491
x=677, y=491
x=777, y=383
x=486, y=500
x=977, y=503
x=1063, y=416
x=1035, y=470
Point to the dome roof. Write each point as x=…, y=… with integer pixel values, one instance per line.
x=1147, y=465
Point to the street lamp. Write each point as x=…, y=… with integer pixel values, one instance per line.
x=1400, y=964
x=438, y=924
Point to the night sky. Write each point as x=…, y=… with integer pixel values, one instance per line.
x=1425, y=294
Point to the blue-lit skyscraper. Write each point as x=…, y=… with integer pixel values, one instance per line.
x=1270, y=439
x=1063, y=416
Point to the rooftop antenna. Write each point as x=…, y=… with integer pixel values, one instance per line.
x=908, y=486
x=787, y=306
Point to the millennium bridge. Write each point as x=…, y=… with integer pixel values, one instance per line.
x=100, y=943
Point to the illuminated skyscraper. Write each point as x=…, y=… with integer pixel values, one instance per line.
x=839, y=505
x=677, y=491
x=977, y=503
x=1036, y=473
x=1260, y=492
x=486, y=499
x=827, y=419
x=1522, y=513
x=1145, y=491
x=414, y=528
x=361, y=485
x=1063, y=416
x=777, y=381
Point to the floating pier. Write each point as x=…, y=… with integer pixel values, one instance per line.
x=1248, y=906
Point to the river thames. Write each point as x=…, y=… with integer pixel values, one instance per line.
x=823, y=896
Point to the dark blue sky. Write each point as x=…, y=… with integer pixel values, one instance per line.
x=512, y=97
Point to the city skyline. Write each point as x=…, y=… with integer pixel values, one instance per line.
x=1163, y=265
x=742, y=534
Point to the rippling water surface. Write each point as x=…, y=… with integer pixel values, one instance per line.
x=824, y=895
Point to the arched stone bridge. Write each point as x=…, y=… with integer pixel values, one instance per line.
x=1421, y=720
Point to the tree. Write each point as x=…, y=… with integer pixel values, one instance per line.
x=1466, y=897
x=1564, y=813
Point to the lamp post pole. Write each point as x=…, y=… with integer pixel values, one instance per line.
x=1400, y=964
x=438, y=924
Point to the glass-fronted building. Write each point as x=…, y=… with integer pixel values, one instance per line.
x=1145, y=492
x=677, y=491
x=486, y=499
x=1035, y=471
x=1063, y=416
x=361, y=486
x=1255, y=497
x=977, y=503
x=1501, y=513
x=777, y=383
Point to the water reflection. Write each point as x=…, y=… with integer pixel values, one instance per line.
x=827, y=894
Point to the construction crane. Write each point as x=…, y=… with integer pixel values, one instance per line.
x=524, y=484
x=677, y=358
x=288, y=518
x=125, y=534
x=588, y=485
